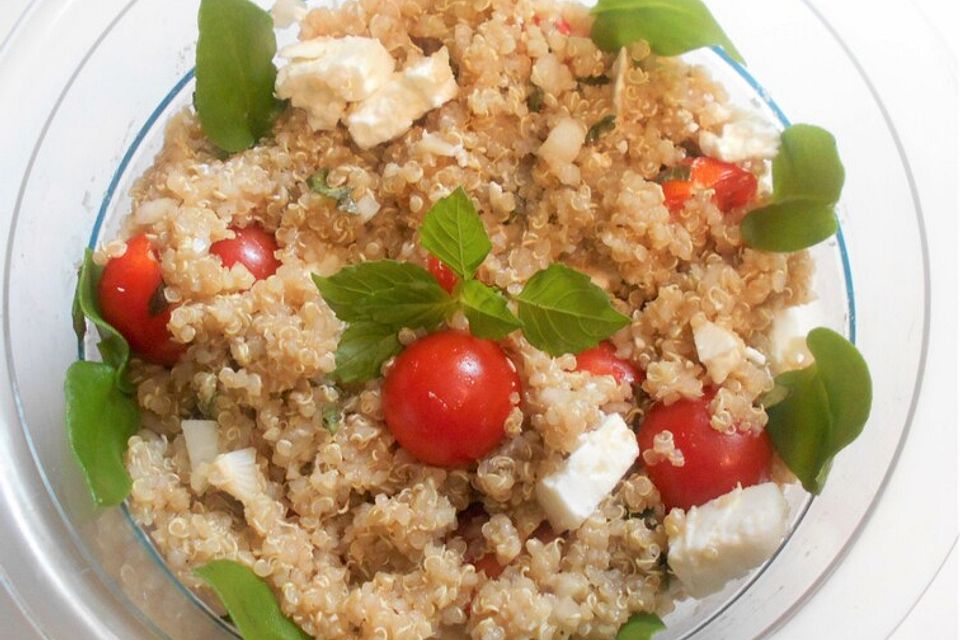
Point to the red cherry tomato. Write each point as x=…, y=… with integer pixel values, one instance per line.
x=131, y=299
x=714, y=462
x=444, y=275
x=447, y=396
x=253, y=247
x=732, y=186
x=602, y=360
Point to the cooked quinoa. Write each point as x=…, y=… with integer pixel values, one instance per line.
x=357, y=538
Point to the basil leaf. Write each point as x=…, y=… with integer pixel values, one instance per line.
x=100, y=419
x=332, y=416
x=601, y=127
x=788, y=226
x=535, y=100
x=363, y=349
x=594, y=81
x=343, y=195
x=348, y=291
x=808, y=177
x=250, y=602
x=563, y=312
x=487, y=311
x=235, y=73
x=824, y=409
x=671, y=27
x=641, y=626
x=113, y=347
x=453, y=232
x=807, y=166
x=413, y=305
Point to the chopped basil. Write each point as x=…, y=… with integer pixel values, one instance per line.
x=641, y=626
x=249, y=601
x=671, y=28
x=331, y=416
x=342, y=195
x=235, y=73
x=603, y=126
x=678, y=172
x=563, y=312
x=454, y=233
x=817, y=411
x=535, y=100
x=100, y=419
x=808, y=177
x=487, y=311
x=594, y=81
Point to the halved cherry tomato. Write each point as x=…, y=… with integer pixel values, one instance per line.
x=444, y=275
x=253, y=247
x=732, y=186
x=602, y=360
x=561, y=24
x=131, y=299
x=447, y=397
x=714, y=462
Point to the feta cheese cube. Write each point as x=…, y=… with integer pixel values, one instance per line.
x=561, y=148
x=741, y=140
x=324, y=74
x=719, y=349
x=725, y=538
x=571, y=493
x=408, y=95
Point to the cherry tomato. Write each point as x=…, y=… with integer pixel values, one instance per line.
x=714, y=462
x=732, y=186
x=447, y=396
x=131, y=299
x=444, y=275
x=253, y=247
x=602, y=360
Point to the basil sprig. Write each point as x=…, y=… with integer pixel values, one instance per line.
x=817, y=411
x=808, y=177
x=561, y=311
x=251, y=604
x=101, y=413
x=671, y=27
x=235, y=73
x=641, y=626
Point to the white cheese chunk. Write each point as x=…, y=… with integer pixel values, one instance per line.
x=286, y=13
x=719, y=349
x=551, y=75
x=745, y=139
x=573, y=492
x=237, y=473
x=407, y=96
x=561, y=148
x=202, y=438
x=788, y=336
x=725, y=538
x=324, y=74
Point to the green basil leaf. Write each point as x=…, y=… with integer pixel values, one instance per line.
x=413, y=305
x=250, y=602
x=788, y=226
x=348, y=291
x=594, y=81
x=487, y=311
x=807, y=180
x=601, y=127
x=100, y=419
x=535, y=100
x=807, y=166
x=641, y=626
x=342, y=195
x=363, y=349
x=235, y=73
x=671, y=27
x=563, y=312
x=113, y=347
x=332, y=416
x=453, y=232
x=824, y=408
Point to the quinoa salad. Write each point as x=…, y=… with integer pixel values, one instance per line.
x=463, y=327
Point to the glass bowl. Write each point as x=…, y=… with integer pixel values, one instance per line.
x=122, y=68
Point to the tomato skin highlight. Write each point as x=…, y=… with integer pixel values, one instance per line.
x=732, y=186
x=443, y=274
x=126, y=292
x=602, y=360
x=447, y=396
x=714, y=462
x=251, y=246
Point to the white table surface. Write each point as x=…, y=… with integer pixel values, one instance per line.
x=845, y=602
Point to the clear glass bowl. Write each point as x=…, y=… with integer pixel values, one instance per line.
x=121, y=68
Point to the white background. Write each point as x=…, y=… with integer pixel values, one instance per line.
x=908, y=77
